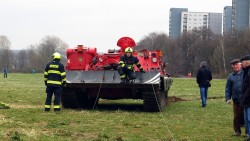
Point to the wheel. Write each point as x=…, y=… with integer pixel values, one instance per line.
x=154, y=102
x=69, y=98
x=84, y=101
x=92, y=103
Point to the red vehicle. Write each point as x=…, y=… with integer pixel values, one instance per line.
x=91, y=76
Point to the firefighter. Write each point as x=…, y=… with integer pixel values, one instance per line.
x=54, y=79
x=126, y=66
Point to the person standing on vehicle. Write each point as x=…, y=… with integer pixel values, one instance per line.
x=54, y=79
x=245, y=61
x=126, y=65
x=203, y=78
x=234, y=91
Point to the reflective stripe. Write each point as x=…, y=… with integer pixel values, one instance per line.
x=138, y=63
x=45, y=79
x=130, y=67
x=121, y=62
x=54, y=71
x=64, y=79
x=123, y=76
x=64, y=73
x=45, y=73
x=53, y=66
x=54, y=82
x=56, y=106
x=47, y=106
x=123, y=65
x=152, y=79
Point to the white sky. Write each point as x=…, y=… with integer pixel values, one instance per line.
x=93, y=23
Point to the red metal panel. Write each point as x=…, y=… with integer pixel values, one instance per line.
x=86, y=58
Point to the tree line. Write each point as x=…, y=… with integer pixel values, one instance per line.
x=183, y=54
x=35, y=57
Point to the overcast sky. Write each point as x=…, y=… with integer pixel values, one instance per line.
x=93, y=23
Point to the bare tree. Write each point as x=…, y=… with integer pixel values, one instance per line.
x=23, y=64
x=147, y=42
x=4, y=51
x=223, y=54
x=172, y=54
x=4, y=42
x=41, y=54
x=34, y=60
x=49, y=45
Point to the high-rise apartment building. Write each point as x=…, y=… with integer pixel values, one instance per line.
x=192, y=20
x=240, y=15
x=175, y=21
x=183, y=21
x=215, y=22
x=227, y=19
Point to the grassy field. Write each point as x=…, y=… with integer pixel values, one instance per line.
x=122, y=120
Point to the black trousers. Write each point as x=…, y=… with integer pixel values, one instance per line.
x=57, y=93
x=129, y=74
x=238, y=116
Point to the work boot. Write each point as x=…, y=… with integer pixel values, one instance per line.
x=47, y=109
x=246, y=135
x=57, y=109
x=248, y=139
x=237, y=133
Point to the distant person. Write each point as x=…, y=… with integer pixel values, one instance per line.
x=5, y=72
x=203, y=78
x=234, y=91
x=245, y=61
x=54, y=79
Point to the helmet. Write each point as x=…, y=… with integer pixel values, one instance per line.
x=128, y=49
x=56, y=55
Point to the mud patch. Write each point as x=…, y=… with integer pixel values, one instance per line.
x=41, y=124
x=175, y=99
x=24, y=106
x=2, y=116
x=216, y=97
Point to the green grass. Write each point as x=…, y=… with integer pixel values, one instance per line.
x=113, y=120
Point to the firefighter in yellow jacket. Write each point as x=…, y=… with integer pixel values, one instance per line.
x=126, y=66
x=54, y=79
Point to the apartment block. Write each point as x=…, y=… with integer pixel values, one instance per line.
x=175, y=21
x=183, y=21
x=227, y=19
x=240, y=15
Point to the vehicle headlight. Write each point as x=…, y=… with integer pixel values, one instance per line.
x=154, y=60
x=100, y=59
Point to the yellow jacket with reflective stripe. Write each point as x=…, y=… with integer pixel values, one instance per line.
x=129, y=62
x=54, y=74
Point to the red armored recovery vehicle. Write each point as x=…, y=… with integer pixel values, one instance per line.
x=91, y=76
